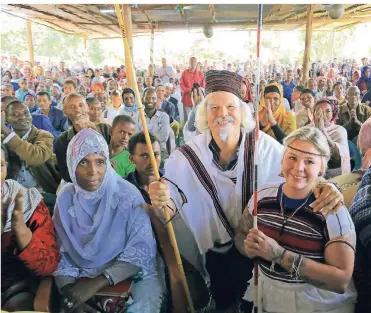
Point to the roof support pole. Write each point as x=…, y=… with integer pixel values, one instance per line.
x=30, y=44
x=308, y=43
x=152, y=46
x=332, y=46
x=126, y=10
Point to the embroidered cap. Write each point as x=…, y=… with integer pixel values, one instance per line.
x=223, y=81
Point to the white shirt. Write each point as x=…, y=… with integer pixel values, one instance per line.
x=286, y=104
x=110, y=113
x=158, y=125
x=161, y=73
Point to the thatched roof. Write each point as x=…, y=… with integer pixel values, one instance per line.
x=99, y=20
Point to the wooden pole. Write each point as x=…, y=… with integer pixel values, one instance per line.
x=30, y=44
x=128, y=27
x=153, y=159
x=332, y=46
x=308, y=43
x=152, y=46
x=129, y=33
x=255, y=211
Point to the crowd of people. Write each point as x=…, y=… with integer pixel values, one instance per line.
x=79, y=192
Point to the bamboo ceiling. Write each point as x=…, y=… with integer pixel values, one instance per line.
x=99, y=20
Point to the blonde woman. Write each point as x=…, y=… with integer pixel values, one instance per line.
x=306, y=258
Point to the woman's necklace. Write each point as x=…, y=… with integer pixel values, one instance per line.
x=285, y=220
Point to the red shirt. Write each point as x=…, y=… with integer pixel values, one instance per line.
x=40, y=257
x=187, y=80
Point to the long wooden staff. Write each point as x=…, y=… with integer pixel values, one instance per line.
x=152, y=156
x=255, y=212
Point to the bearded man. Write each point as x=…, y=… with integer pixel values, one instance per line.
x=210, y=181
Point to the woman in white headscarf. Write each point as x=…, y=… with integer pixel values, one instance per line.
x=104, y=233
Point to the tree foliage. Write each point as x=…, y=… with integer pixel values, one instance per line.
x=14, y=42
x=95, y=52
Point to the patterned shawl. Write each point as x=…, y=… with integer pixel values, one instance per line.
x=31, y=199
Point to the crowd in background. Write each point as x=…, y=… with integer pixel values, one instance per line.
x=54, y=118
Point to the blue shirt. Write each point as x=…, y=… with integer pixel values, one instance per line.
x=367, y=97
x=34, y=109
x=288, y=90
x=43, y=122
x=15, y=86
x=57, y=118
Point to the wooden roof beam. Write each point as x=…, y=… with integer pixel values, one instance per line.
x=66, y=10
x=54, y=27
x=30, y=8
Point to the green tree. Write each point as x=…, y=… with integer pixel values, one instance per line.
x=322, y=41
x=95, y=52
x=53, y=43
x=14, y=42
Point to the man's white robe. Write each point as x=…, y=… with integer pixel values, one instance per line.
x=198, y=215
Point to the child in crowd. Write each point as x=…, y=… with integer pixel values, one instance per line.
x=123, y=127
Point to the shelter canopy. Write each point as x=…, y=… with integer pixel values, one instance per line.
x=99, y=20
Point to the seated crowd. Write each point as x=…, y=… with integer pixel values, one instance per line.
x=80, y=197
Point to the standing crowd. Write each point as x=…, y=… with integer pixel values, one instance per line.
x=81, y=203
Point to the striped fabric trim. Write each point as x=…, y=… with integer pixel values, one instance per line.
x=248, y=173
x=206, y=181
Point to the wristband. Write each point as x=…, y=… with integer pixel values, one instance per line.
x=108, y=277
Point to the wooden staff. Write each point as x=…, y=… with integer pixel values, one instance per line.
x=152, y=156
x=255, y=212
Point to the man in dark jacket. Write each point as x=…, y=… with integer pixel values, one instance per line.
x=32, y=162
x=76, y=109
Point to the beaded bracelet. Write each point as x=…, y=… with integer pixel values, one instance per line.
x=295, y=267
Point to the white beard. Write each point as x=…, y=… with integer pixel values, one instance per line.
x=224, y=133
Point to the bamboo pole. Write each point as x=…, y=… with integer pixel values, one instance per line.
x=308, y=42
x=129, y=33
x=255, y=211
x=30, y=43
x=153, y=159
x=128, y=27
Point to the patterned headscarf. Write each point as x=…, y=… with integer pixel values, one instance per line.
x=334, y=107
x=86, y=222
